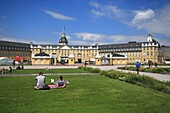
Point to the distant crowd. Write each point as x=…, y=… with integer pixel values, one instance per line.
x=150, y=64
x=12, y=68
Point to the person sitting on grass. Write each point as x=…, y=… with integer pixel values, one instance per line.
x=2, y=71
x=40, y=82
x=10, y=69
x=60, y=83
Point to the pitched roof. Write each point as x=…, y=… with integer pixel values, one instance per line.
x=42, y=54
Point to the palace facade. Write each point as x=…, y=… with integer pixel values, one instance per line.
x=135, y=51
x=16, y=51
x=63, y=53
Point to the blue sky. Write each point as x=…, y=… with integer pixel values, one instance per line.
x=86, y=22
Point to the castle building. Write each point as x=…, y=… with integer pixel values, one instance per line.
x=164, y=54
x=16, y=51
x=63, y=53
x=134, y=51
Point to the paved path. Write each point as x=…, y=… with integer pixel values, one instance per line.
x=162, y=77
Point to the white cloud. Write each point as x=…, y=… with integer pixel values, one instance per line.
x=58, y=16
x=90, y=36
x=94, y=38
x=68, y=37
x=97, y=13
x=95, y=4
x=157, y=21
x=106, y=10
x=127, y=38
x=143, y=15
x=79, y=42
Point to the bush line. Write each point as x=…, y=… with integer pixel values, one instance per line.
x=152, y=70
x=141, y=80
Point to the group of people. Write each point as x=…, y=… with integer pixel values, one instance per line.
x=19, y=67
x=150, y=63
x=41, y=84
x=10, y=69
x=3, y=70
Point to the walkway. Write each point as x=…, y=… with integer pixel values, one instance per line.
x=162, y=77
x=50, y=74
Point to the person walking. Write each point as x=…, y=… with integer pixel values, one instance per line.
x=155, y=64
x=137, y=66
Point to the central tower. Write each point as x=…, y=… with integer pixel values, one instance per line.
x=63, y=40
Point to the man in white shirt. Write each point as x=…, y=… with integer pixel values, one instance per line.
x=40, y=81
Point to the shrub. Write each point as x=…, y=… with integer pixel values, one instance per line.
x=87, y=68
x=95, y=70
x=114, y=74
x=120, y=67
x=152, y=70
x=167, y=83
x=132, y=79
x=147, y=81
x=103, y=72
x=80, y=67
x=129, y=77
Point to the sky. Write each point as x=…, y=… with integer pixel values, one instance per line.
x=86, y=22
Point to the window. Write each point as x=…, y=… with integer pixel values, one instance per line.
x=36, y=61
x=92, y=54
x=144, y=54
x=41, y=61
x=151, y=53
x=147, y=53
x=137, y=53
x=118, y=61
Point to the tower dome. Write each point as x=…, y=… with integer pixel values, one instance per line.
x=63, y=40
x=149, y=38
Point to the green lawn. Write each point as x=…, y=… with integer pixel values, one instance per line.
x=84, y=94
x=36, y=71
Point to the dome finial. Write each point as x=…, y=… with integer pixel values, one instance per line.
x=63, y=29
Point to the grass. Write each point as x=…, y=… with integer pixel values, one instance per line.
x=84, y=94
x=36, y=71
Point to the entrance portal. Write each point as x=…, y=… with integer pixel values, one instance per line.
x=79, y=61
